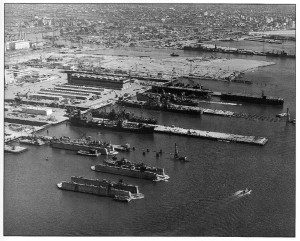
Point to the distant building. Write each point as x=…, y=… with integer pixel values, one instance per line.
x=47, y=21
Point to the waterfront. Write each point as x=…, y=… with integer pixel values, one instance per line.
x=198, y=200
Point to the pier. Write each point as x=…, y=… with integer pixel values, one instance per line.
x=225, y=137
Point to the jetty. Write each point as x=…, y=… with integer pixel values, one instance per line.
x=218, y=136
x=225, y=137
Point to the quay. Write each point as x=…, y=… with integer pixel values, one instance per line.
x=225, y=137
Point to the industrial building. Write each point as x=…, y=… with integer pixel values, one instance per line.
x=45, y=97
x=37, y=111
x=65, y=95
x=104, y=81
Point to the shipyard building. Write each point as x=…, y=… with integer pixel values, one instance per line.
x=104, y=81
x=37, y=111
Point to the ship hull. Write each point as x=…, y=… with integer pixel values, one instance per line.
x=78, y=147
x=125, y=172
x=162, y=108
x=252, y=99
x=103, y=183
x=139, y=130
x=91, y=189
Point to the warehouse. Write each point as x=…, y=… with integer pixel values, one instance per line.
x=37, y=111
x=110, y=82
x=45, y=97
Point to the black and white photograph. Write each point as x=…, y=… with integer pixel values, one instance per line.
x=149, y=119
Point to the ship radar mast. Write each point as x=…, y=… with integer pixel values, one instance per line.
x=176, y=152
x=288, y=116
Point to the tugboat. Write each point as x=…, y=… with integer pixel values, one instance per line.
x=174, y=55
x=91, y=152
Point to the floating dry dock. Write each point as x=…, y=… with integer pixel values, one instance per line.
x=212, y=135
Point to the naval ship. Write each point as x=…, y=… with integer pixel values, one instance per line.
x=127, y=168
x=84, y=118
x=82, y=144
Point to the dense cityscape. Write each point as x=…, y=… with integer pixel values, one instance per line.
x=105, y=98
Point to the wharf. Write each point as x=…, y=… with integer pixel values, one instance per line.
x=225, y=137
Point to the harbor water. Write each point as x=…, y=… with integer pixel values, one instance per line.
x=200, y=197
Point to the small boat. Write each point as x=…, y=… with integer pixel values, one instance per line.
x=244, y=192
x=92, y=152
x=174, y=55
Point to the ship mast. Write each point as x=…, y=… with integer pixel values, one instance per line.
x=176, y=152
x=288, y=116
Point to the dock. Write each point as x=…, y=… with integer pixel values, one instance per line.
x=224, y=137
x=218, y=136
